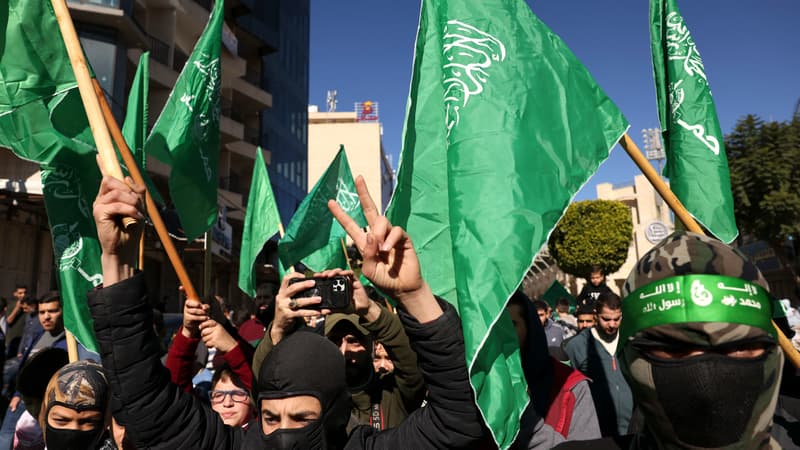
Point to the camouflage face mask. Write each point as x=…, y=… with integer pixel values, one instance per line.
x=692, y=292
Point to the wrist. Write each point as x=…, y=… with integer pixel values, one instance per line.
x=421, y=304
x=372, y=313
x=189, y=332
x=422, y=292
x=227, y=346
x=275, y=334
x=115, y=269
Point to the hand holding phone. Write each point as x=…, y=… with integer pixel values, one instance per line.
x=336, y=292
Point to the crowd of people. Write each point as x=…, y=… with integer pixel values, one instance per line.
x=688, y=357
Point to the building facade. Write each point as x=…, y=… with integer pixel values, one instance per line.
x=258, y=37
x=361, y=136
x=651, y=217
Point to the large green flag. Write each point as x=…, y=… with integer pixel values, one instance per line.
x=314, y=237
x=697, y=166
x=70, y=184
x=42, y=120
x=134, y=129
x=261, y=222
x=503, y=127
x=38, y=93
x=186, y=134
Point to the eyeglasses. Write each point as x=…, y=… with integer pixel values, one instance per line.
x=238, y=396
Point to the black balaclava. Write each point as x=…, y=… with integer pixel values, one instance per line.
x=359, y=370
x=305, y=363
x=81, y=386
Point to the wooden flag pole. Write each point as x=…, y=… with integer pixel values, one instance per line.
x=72, y=346
x=346, y=256
x=141, y=250
x=683, y=215
x=661, y=187
x=152, y=209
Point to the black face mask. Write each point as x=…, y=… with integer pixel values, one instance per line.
x=309, y=437
x=359, y=370
x=57, y=439
x=708, y=396
x=266, y=315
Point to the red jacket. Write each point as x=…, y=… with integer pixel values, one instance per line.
x=562, y=404
x=180, y=360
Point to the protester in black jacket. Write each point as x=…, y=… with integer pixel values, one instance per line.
x=159, y=416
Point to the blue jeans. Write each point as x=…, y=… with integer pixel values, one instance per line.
x=9, y=424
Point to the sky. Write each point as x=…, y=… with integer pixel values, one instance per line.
x=364, y=49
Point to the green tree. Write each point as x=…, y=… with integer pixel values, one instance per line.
x=592, y=232
x=764, y=160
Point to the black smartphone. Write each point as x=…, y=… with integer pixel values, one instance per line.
x=336, y=292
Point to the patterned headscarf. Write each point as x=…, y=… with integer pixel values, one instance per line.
x=82, y=386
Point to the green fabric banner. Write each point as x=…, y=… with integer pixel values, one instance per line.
x=186, y=134
x=42, y=120
x=503, y=127
x=71, y=183
x=314, y=237
x=261, y=222
x=697, y=166
x=40, y=106
x=134, y=129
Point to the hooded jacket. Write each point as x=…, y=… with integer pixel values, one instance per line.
x=561, y=405
x=158, y=415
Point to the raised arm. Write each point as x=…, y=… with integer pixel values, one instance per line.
x=156, y=413
x=451, y=419
x=390, y=261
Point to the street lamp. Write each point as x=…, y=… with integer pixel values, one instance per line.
x=654, y=150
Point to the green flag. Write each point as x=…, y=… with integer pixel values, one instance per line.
x=314, y=237
x=555, y=292
x=38, y=93
x=134, y=129
x=70, y=187
x=503, y=127
x=261, y=222
x=42, y=120
x=186, y=134
x=697, y=166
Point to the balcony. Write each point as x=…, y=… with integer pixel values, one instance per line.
x=160, y=74
x=230, y=130
x=249, y=98
x=159, y=50
x=107, y=14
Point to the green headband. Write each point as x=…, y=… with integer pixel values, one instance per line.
x=696, y=298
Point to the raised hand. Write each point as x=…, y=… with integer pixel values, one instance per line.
x=362, y=304
x=390, y=261
x=288, y=309
x=215, y=336
x=194, y=313
x=116, y=200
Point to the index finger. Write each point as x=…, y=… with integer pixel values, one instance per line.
x=350, y=226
